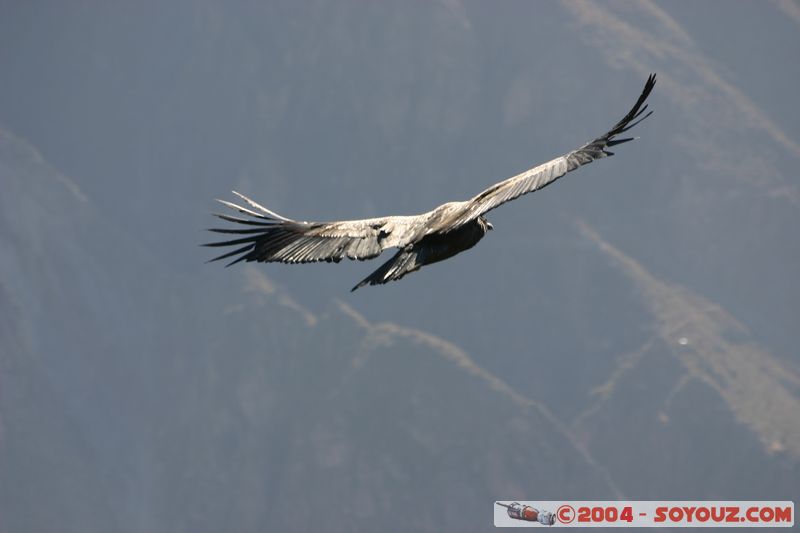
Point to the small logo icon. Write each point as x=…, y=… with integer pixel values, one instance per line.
x=527, y=513
x=565, y=514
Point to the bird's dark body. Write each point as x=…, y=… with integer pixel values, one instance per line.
x=432, y=248
x=421, y=239
x=440, y=246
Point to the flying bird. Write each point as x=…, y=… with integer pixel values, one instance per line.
x=422, y=239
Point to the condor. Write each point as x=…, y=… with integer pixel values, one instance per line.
x=422, y=239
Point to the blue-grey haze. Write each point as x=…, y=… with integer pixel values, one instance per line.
x=629, y=332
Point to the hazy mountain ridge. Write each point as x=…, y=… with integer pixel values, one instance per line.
x=51, y=480
x=725, y=173
x=50, y=477
x=329, y=435
x=388, y=418
x=711, y=361
x=190, y=397
x=322, y=435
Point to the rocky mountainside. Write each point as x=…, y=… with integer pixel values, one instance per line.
x=628, y=332
x=135, y=420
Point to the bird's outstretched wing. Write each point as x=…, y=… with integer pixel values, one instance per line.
x=545, y=174
x=270, y=237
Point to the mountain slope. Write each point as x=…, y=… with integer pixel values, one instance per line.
x=236, y=416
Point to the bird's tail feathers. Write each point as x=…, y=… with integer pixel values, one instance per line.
x=402, y=263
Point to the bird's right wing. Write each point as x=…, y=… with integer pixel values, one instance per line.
x=545, y=174
x=270, y=237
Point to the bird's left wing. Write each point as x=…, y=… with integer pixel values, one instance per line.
x=545, y=174
x=270, y=237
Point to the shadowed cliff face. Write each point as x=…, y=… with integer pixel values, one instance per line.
x=361, y=420
x=175, y=420
x=48, y=469
x=715, y=382
x=648, y=352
